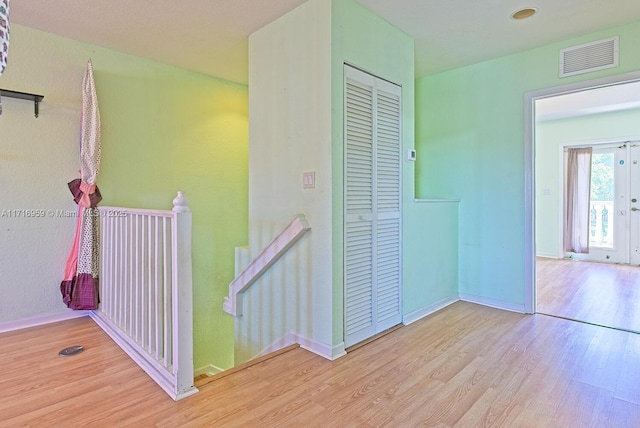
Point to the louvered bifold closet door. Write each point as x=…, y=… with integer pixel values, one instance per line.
x=388, y=189
x=372, y=205
x=359, y=129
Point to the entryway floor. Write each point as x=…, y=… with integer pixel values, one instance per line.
x=597, y=293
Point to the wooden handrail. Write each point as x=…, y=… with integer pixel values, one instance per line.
x=263, y=261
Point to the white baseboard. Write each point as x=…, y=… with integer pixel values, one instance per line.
x=286, y=340
x=548, y=256
x=41, y=320
x=326, y=351
x=208, y=370
x=334, y=352
x=339, y=351
x=493, y=303
x=428, y=310
x=322, y=349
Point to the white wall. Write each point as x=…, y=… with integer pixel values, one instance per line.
x=550, y=137
x=289, y=133
x=37, y=158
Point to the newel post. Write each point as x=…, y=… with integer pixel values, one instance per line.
x=183, y=296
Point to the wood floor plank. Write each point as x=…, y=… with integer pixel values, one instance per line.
x=628, y=385
x=465, y=366
x=601, y=293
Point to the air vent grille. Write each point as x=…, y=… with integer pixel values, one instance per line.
x=589, y=57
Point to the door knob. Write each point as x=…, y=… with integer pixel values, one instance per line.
x=635, y=209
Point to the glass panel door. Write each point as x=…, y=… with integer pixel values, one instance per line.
x=608, y=233
x=602, y=225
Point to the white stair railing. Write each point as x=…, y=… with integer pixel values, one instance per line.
x=263, y=261
x=146, y=291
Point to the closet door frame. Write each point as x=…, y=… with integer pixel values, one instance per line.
x=376, y=221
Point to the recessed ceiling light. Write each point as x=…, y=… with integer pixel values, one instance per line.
x=524, y=13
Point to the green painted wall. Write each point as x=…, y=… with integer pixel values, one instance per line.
x=470, y=145
x=430, y=256
x=429, y=239
x=183, y=131
x=364, y=40
x=550, y=137
x=164, y=129
x=296, y=106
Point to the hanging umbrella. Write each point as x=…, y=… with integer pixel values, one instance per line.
x=80, y=285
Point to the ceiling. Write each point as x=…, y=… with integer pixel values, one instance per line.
x=210, y=36
x=605, y=99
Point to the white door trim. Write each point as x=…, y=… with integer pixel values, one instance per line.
x=529, y=169
x=634, y=192
x=384, y=214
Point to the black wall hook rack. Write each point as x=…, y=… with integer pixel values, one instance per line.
x=24, y=96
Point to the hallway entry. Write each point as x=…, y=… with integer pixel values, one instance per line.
x=601, y=285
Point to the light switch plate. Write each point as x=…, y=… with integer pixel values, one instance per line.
x=411, y=154
x=309, y=180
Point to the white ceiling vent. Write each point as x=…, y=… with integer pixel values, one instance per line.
x=589, y=57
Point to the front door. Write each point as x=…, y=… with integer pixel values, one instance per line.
x=614, y=226
x=608, y=234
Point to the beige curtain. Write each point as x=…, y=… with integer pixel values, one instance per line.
x=576, y=227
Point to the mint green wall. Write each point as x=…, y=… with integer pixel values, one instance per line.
x=550, y=137
x=164, y=129
x=366, y=41
x=296, y=108
x=362, y=39
x=470, y=145
x=430, y=256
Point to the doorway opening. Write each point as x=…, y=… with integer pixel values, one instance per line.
x=572, y=285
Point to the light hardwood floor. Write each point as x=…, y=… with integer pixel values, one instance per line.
x=599, y=293
x=465, y=366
